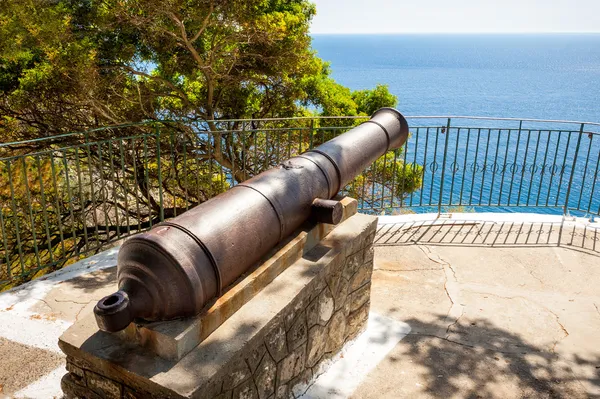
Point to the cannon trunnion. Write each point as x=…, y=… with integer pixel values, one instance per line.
x=180, y=265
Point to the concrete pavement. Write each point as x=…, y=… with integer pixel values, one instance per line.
x=465, y=306
x=487, y=321
x=34, y=315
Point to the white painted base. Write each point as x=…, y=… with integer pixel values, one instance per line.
x=46, y=387
x=343, y=374
x=20, y=324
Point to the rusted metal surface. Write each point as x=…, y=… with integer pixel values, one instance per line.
x=179, y=266
x=326, y=211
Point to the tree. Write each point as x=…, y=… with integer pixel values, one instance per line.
x=75, y=65
x=68, y=65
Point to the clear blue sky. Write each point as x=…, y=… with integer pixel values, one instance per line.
x=422, y=16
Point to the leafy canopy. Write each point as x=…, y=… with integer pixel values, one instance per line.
x=76, y=65
x=71, y=65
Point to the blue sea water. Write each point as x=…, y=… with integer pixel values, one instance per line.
x=545, y=76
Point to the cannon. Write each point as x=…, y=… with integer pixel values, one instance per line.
x=180, y=265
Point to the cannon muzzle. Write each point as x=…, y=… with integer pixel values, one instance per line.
x=180, y=265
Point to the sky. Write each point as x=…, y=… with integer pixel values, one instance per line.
x=456, y=16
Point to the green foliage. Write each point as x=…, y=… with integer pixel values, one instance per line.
x=388, y=178
x=334, y=99
x=403, y=178
x=76, y=65
x=369, y=101
x=72, y=65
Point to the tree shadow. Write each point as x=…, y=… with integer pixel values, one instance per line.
x=484, y=360
x=98, y=279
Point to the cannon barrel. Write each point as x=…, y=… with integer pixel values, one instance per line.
x=178, y=266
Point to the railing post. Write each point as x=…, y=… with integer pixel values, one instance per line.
x=566, y=207
x=444, y=168
x=312, y=133
x=158, y=164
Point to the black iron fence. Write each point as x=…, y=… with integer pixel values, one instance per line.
x=64, y=197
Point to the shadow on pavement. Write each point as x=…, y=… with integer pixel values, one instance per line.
x=484, y=361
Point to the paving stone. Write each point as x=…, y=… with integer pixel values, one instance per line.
x=246, y=390
x=317, y=338
x=238, y=373
x=336, y=332
x=103, y=386
x=291, y=366
x=298, y=332
x=301, y=383
x=265, y=377
x=359, y=297
x=360, y=278
x=255, y=357
x=69, y=299
x=276, y=343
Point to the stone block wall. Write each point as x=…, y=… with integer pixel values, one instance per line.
x=281, y=357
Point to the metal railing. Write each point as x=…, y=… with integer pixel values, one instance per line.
x=516, y=165
x=66, y=196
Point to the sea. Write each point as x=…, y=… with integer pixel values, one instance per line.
x=541, y=76
x=538, y=76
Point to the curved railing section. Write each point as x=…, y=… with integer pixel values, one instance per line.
x=503, y=164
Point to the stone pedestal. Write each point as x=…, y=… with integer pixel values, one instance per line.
x=270, y=347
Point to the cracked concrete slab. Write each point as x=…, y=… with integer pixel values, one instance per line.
x=553, y=269
x=69, y=299
x=504, y=322
x=431, y=367
x=535, y=324
x=34, y=315
x=409, y=274
x=506, y=267
x=410, y=259
x=494, y=307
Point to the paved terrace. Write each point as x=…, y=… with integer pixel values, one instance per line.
x=466, y=305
